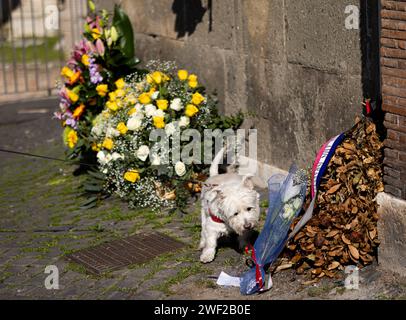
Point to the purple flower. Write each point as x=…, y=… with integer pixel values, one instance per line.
x=95, y=76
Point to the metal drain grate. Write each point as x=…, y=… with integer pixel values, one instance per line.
x=117, y=254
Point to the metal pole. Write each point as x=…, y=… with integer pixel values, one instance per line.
x=14, y=50
x=3, y=59
x=24, y=48
x=46, y=49
x=35, y=52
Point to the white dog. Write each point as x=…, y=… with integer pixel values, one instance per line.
x=229, y=204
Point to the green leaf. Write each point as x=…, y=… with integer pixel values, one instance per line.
x=122, y=24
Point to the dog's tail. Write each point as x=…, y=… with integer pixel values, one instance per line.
x=214, y=168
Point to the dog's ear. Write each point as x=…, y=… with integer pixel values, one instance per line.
x=247, y=182
x=213, y=194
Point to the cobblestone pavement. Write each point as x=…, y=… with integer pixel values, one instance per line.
x=40, y=223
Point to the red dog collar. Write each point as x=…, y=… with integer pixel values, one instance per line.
x=215, y=218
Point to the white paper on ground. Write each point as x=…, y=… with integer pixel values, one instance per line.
x=227, y=280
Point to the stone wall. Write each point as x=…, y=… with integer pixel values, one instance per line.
x=293, y=63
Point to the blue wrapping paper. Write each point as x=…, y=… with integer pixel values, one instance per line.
x=286, y=197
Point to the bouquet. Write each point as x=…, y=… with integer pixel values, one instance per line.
x=166, y=102
x=286, y=197
x=96, y=67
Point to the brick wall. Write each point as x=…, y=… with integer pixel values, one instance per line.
x=393, y=64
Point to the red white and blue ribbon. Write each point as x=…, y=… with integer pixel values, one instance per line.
x=319, y=167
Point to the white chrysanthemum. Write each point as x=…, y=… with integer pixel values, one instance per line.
x=159, y=113
x=176, y=104
x=111, y=133
x=180, y=169
x=171, y=128
x=155, y=95
x=134, y=123
x=104, y=157
x=116, y=156
x=143, y=153
x=184, y=122
x=150, y=110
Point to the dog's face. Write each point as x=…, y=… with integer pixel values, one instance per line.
x=237, y=205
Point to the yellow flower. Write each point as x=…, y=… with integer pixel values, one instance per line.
x=132, y=176
x=191, y=110
x=157, y=77
x=96, y=34
x=72, y=139
x=183, y=75
x=108, y=144
x=162, y=104
x=96, y=147
x=193, y=77
x=122, y=128
x=74, y=78
x=72, y=96
x=79, y=111
x=120, y=83
x=132, y=111
x=144, y=98
x=149, y=79
x=193, y=83
x=66, y=72
x=197, y=98
x=120, y=93
x=159, y=122
x=102, y=90
x=151, y=91
x=112, y=105
x=85, y=60
x=113, y=96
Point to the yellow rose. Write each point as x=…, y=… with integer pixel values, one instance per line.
x=66, y=72
x=122, y=128
x=193, y=82
x=102, y=90
x=157, y=77
x=132, y=111
x=162, y=104
x=159, y=122
x=96, y=34
x=112, y=105
x=197, y=98
x=132, y=176
x=183, y=75
x=120, y=93
x=108, y=144
x=113, y=96
x=72, y=96
x=151, y=91
x=149, y=79
x=85, y=60
x=120, y=83
x=79, y=111
x=191, y=110
x=144, y=98
x=72, y=139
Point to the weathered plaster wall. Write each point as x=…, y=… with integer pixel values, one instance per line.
x=293, y=63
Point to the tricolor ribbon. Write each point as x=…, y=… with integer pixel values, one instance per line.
x=319, y=167
x=258, y=273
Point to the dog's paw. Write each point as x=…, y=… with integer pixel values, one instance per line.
x=207, y=255
x=202, y=244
